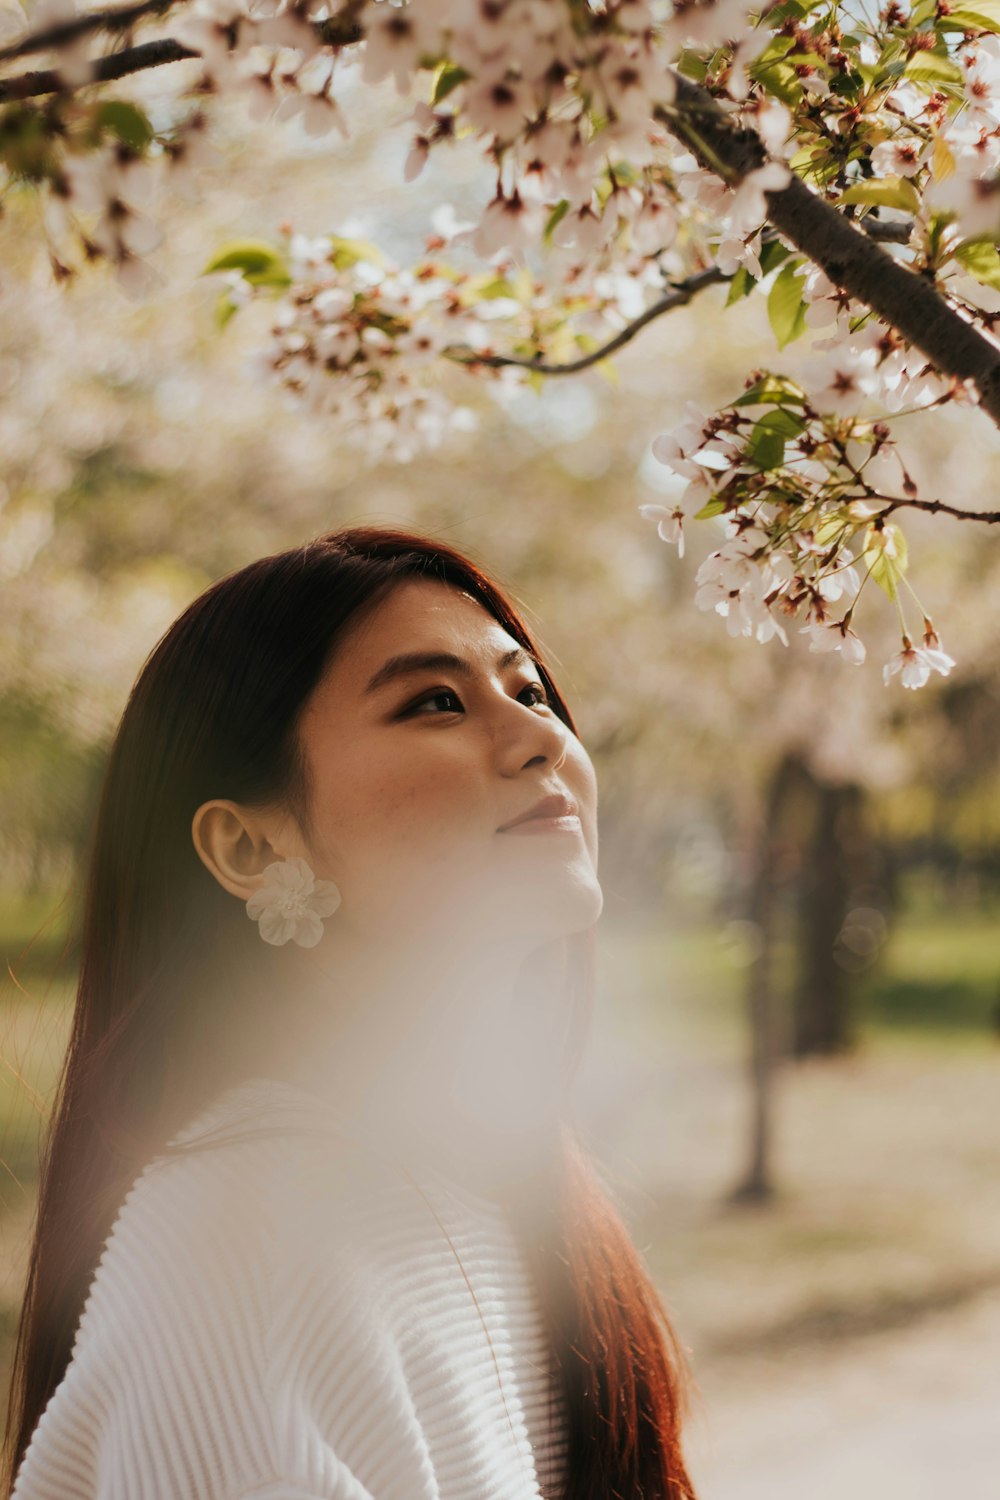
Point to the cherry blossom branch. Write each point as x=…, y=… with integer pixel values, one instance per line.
x=103, y=69
x=680, y=293
x=907, y=301
x=336, y=32
x=122, y=18
x=891, y=503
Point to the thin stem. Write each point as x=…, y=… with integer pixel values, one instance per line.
x=899, y=610
x=903, y=579
x=679, y=294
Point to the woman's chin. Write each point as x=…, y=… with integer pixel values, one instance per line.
x=559, y=908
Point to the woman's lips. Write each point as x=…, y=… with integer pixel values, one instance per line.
x=568, y=823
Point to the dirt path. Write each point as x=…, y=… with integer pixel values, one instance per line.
x=909, y=1415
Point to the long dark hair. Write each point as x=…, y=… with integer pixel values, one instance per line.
x=215, y=712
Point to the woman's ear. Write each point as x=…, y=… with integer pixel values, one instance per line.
x=232, y=844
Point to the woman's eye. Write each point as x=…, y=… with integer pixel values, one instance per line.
x=435, y=697
x=537, y=688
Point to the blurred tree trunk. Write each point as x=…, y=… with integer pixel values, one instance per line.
x=844, y=901
x=821, y=1021
x=773, y=859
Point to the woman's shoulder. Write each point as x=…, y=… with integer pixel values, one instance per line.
x=254, y=1168
x=185, y=1345
x=253, y=1182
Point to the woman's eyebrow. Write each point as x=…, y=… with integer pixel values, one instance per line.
x=422, y=661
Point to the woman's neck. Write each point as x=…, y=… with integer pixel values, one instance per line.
x=448, y=1053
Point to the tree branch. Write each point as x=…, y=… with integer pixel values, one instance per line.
x=936, y=507
x=907, y=301
x=680, y=293
x=337, y=32
x=104, y=69
x=121, y=19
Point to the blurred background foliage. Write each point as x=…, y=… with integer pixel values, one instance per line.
x=777, y=827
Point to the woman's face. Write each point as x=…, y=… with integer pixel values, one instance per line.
x=414, y=769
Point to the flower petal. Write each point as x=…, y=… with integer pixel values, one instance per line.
x=324, y=899
x=276, y=926
x=308, y=929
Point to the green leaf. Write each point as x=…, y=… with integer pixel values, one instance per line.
x=691, y=64
x=448, y=76
x=935, y=68
x=487, y=288
x=225, y=309
x=743, y=281
x=889, y=192
x=785, y=307
x=828, y=530
x=766, y=445
x=258, y=262
x=126, y=121
x=885, y=552
x=791, y=10
x=776, y=48
x=712, y=507
x=771, y=390
x=981, y=260
x=740, y=285
x=849, y=85
x=781, y=80
x=771, y=255
x=556, y=217
x=980, y=15
x=347, y=253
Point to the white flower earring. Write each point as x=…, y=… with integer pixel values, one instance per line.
x=291, y=902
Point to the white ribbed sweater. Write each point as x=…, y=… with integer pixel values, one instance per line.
x=282, y=1318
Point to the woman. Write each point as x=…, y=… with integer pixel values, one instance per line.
x=314, y=1221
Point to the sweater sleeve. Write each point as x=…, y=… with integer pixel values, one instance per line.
x=180, y=1386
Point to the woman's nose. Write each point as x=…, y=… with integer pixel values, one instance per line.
x=526, y=736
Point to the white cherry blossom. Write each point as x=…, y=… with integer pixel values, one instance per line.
x=981, y=67
x=674, y=448
x=395, y=38
x=915, y=664
x=669, y=523
x=746, y=209
x=901, y=157
x=835, y=635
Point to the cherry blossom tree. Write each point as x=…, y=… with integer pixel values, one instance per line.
x=140, y=464
x=842, y=165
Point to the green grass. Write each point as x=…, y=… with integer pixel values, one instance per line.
x=938, y=973
x=33, y=1036
x=35, y=940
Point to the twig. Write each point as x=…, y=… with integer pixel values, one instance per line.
x=679, y=294
x=336, y=32
x=104, y=69
x=891, y=503
x=120, y=19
